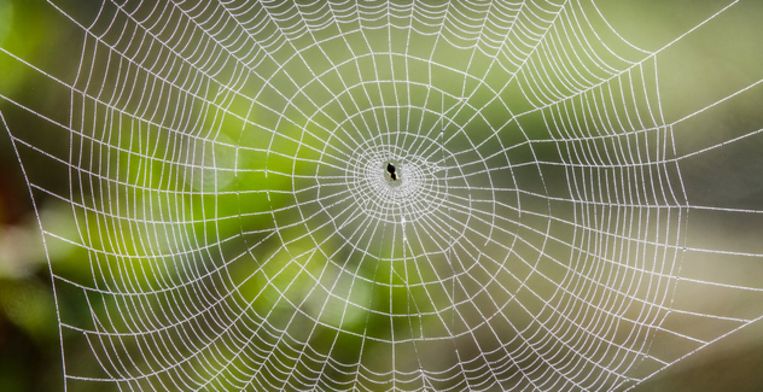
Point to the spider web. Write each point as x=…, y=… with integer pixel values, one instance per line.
x=226, y=166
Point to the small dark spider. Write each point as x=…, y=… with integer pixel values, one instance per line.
x=391, y=171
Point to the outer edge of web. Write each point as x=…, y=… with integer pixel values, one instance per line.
x=37, y=218
x=694, y=351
